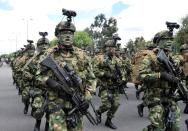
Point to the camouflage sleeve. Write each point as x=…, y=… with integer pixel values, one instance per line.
x=145, y=71
x=90, y=79
x=42, y=74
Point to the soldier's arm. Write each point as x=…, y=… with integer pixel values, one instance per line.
x=145, y=71
x=91, y=80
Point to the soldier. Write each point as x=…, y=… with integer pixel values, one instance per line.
x=63, y=93
x=30, y=49
x=30, y=90
x=19, y=55
x=109, y=91
x=184, y=53
x=147, y=52
x=126, y=64
x=28, y=53
x=164, y=113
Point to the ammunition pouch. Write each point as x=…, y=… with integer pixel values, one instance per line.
x=37, y=114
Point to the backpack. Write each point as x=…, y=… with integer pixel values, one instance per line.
x=136, y=61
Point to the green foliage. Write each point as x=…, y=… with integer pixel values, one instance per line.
x=102, y=29
x=53, y=42
x=82, y=38
x=138, y=44
x=182, y=34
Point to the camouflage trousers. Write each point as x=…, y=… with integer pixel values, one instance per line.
x=157, y=117
x=57, y=119
x=25, y=94
x=57, y=122
x=110, y=102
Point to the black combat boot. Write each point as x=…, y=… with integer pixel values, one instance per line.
x=98, y=116
x=47, y=126
x=151, y=128
x=186, y=122
x=37, y=125
x=109, y=123
x=47, y=123
x=140, y=109
x=19, y=91
x=186, y=108
x=26, y=108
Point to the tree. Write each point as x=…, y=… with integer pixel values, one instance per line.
x=130, y=47
x=53, y=42
x=82, y=38
x=102, y=29
x=182, y=34
x=139, y=43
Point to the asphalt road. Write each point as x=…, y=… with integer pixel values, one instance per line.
x=13, y=119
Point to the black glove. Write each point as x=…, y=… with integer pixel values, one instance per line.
x=53, y=84
x=168, y=77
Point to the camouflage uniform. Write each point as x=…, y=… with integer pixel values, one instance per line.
x=184, y=53
x=28, y=53
x=158, y=86
x=30, y=49
x=15, y=62
x=30, y=90
x=109, y=90
x=58, y=105
x=143, y=53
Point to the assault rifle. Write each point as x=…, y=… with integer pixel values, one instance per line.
x=67, y=79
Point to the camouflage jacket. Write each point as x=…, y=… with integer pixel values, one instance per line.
x=79, y=62
x=106, y=66
x=149, y=74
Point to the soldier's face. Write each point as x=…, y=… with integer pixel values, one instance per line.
x=31, y=52
x=66, y=38
x=42, y=47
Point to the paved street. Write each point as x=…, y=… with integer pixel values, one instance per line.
x=13, y=119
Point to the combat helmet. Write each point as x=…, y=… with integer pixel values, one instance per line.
x=29, y=48
x=163, y=40
x=64, y=26
x=43, y=40
x=64, y=31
